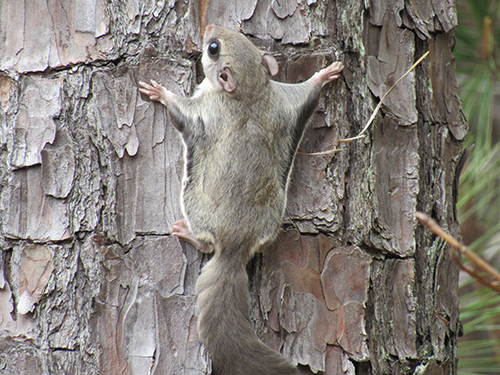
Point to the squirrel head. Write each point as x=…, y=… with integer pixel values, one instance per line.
x=232, y=63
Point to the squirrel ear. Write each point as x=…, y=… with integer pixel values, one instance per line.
x=270, y=63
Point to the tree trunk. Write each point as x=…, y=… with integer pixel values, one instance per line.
x=92, y=282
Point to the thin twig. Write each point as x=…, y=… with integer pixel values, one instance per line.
x=477, y=261
x=327, y=152
x=370, y=120
x=441, y=318
x=471, y=271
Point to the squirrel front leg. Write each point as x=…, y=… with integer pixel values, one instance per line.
x=180, y=108
x=327, y=74
x=157, y=92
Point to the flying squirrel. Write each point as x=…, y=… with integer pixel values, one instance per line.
x=241, y=131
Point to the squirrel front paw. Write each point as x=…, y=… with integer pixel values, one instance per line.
x=156, y=92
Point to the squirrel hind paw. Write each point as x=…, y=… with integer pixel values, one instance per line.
x=181, y=229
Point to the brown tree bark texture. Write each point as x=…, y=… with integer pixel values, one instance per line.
x=91, y=280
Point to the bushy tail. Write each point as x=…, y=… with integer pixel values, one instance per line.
x=224, y=322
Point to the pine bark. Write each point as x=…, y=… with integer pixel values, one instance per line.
x=91, y=280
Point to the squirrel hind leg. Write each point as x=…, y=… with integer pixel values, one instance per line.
x=181, y=230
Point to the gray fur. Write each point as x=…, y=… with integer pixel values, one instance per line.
x=240, y=147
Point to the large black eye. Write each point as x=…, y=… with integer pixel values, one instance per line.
x=214, y=48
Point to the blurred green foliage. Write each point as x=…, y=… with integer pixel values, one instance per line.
x=477, y=52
